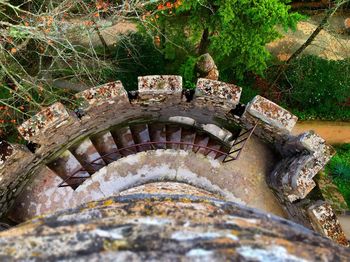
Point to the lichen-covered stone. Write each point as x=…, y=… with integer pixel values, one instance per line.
x=274, y=122
x=47, y=120
x=109, y=93
x=219, y=93
x=305, y=156
x=182, y=120
x=158, y=87
x=149, y=227
x=206, y=67
x=324, y=219
x=6, y=150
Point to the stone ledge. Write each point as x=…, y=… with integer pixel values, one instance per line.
x=158, y=87
x=274, y=122
x=109, y=93
x=305, y=156
x=183, y=120
x=271, y=113
x=218, y=132
x=228, y=95
x=46, y=121
x=325, y=221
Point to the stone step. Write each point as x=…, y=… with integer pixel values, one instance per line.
x=214, y=145
x=202, y=140
x=65, y=166
x=188, y=135
x=88, y=156
x=105, y=145
x=157, y=133
x=125, y=141
x=173, y=134
x=141, y=135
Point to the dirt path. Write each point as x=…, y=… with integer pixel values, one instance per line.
x=332, y=132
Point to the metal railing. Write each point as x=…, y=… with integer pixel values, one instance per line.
x=232, y=154
x=238, y=145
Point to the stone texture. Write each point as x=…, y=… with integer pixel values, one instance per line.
x=274, y=122
x=158, y=87
x=302, y=157
x=149, y=227
x=218, y=93
x=238, y=181
x=206, y=67
x=6, y=150
x=219, y=132
x=14, y=158
x=325, y=221
x=182, y=120
x=109, y=93
x=48, y=120
x=305, y=156
x=331, y=193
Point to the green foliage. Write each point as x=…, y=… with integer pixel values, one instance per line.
x=187, y=70
x=136, y=56
x=237, y=30
x=339, y=169
x=318, y=88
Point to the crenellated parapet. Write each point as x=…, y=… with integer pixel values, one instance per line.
x=56, y=128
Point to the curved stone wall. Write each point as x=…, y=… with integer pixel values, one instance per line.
x=152, y=227
x=162, y=98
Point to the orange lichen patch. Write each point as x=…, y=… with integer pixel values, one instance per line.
x=106, y=94
x=108, y=202
x=216, y=90
x=49, y=118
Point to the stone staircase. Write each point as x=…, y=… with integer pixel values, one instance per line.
x=82, y=160
x=71, y=146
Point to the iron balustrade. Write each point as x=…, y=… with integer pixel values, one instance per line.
x=233, y=154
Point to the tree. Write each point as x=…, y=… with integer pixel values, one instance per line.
x=328, y=14
x=234, y=32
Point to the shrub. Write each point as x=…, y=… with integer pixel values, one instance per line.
x=318, y=88
x=339, y=170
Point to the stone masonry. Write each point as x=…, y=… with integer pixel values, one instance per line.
x=159, y=97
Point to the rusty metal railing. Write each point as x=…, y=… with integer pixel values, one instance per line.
x=231, y=155
x=238, y=145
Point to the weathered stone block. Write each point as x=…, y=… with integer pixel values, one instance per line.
x=271, y=113
x=48, y=120
x=109, y=93
x=325, y=221
x=183, y=120
x=158, y=87
x=274, y=122
x=217, y=92
x=206, y=67
x=219, y=132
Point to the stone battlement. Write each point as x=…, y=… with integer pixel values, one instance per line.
x=162, y=98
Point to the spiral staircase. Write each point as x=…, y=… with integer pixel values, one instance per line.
x=82, y=160
x=73, y=149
